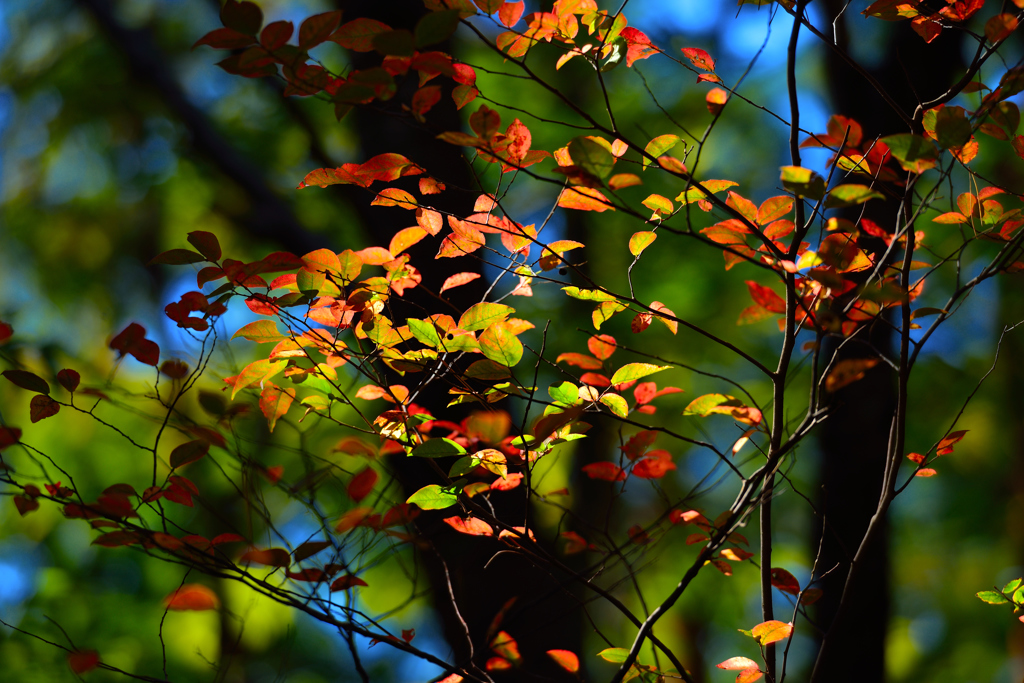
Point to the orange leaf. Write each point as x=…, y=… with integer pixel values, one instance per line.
x=470, y=526
x=584, y=199
x=192, y=597
x=565, y=659
x=771, y=632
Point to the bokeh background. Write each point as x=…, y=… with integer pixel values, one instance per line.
x=116, y=140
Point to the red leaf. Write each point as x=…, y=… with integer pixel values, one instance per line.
x=700, y=58
x=224, y=39
x=945, y=446
x=42, y=407
x=69, y=379
x=27, y=380
x=785, y=581
x=766, y=298
x=25, y=504
x=132, y=340
x=6, y=332
x=83, y=661
x=206, y=243
x=9, y=436
x=362, y=484
x=602, y=346
x=318, y=28
x=192, y=597
x=608, y=471
x=345, y=582
x=653, y=467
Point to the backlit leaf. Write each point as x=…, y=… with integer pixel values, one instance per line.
x=992, y=597
x=565, y=659
x=261, y=332
x=659, y=146
x=584, y=199
x=482, y=315
x=499, y=344
x=737, y=664
x=616, y=655
x=634, y=371
x=433, y=497
x=770, y=632
x=470, y=526
x=640, y=241
x=458, y=280
x=699, y=58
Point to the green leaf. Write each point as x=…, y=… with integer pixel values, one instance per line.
x=433, y=497
x=850, y=195
x=915, y=153
x=640, y=241
x=27, y=380
x=566, y=392
x=803, y=182
x=438, y=448
x=952, y=127
x=425, y=332
x=261, y=332
x=591, y=156
x=616, y=655
x=992, y=597
x=604, y=311
x=588, y=294
x=616, y=404
x=436, y=27
x=634, y=371
x=1012, y=585
x=500, y=344
x=659, y=146
x=486, y=370
x=482, y=315
x=705, y=405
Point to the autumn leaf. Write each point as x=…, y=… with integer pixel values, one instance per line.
x=699, y=58
x=83, y=661
x=770, y=632
x=192, y=597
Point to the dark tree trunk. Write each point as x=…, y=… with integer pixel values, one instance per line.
x=854, y=437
